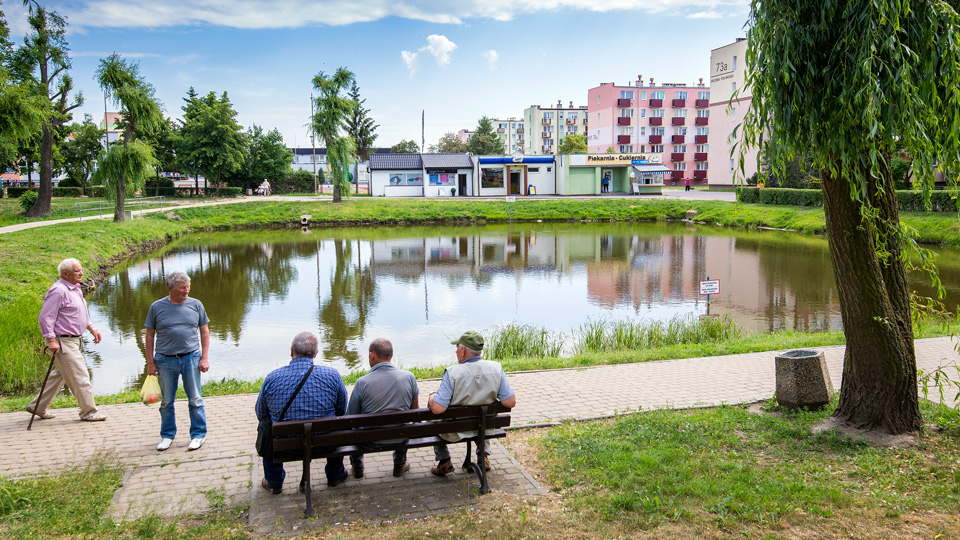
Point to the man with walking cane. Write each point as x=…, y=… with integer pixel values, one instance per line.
x=62, y=320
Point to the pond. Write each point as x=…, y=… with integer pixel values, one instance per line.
x=421, y=287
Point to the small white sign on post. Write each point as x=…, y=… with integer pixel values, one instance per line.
x=710, y=287
x=511, y=199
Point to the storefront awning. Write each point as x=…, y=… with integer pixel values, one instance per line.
x=650, y=169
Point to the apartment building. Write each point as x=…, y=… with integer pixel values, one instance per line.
x=511, y=133
x=729, y=101
x=670, y=119
x=547, y=126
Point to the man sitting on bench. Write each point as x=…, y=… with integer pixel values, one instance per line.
x=472, y=381
x=384, y=389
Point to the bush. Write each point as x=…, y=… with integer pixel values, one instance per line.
x=66, y=191
x=186, y=192
x=300, y=181
x=27, y=200
x=163, y=181
x=15, y=192
x=940, y=201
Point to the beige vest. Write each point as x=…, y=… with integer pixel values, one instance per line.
x=474, y=383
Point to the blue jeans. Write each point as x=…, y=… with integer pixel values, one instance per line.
x=170, y=368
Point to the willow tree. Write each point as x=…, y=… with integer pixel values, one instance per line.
x=138, y=108
x=332, y=112
x=851, y=81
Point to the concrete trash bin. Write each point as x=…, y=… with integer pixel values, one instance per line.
x=803, y=380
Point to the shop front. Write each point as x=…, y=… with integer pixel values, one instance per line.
x=516, y=175
x=595, y=174
x=448, y=175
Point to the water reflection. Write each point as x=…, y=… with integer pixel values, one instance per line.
x=421, y=287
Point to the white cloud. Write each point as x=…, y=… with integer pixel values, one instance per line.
x=492, y=58
x=299, y=13
x=439, y=46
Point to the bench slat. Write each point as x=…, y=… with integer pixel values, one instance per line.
x=355, y=421
x=352, y=449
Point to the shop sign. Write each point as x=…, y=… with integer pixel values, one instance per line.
x=595, y=160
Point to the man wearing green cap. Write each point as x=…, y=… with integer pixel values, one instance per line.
x=472, y=381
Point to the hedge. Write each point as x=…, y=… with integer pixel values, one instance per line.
x=16, y=192
x=97, y=191
x=940, y=200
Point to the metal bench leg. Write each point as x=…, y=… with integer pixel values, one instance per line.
x=307, y=457
x=481, y=471
x=467, y=461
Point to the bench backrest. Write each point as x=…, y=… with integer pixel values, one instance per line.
x=360, y=428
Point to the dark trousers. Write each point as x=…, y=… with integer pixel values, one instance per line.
x=399, y=455
x=275, y=474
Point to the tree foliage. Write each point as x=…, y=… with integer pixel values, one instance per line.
x=885, y=73
x=138, y=108
x=333, y=109
x=42, y=64
x=81, y=152
x=211, y=139
x=266, y=157
x=485, y=140
x=573, y=143
x=450, y=144
x=163, y=138
x=405, y=147
x=360, y=127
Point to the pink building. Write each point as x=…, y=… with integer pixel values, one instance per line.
x=668, y=119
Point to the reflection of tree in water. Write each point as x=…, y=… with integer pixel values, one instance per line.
x=343, y=315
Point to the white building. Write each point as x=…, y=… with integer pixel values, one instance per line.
x=727, y=76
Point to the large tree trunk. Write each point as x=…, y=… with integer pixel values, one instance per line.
x=879, y=388
x=42, y=206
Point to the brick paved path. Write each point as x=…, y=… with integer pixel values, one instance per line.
x=226, y=471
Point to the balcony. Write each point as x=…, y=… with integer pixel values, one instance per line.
x=702, y=103
x=656, y=103
x=520, y=130
x=656, y=121
x=701, y=121
x=546, y=149
x=623, y=121
x=676, y=175
x=501, y=130
x=623, y=102
x=623, y=139
x=677, y=139
x=678, y=121
x=546, y=134
x=676, y=156
x=571, y=121
x=678, y=103
x=700, y=156
x=656, y=139
x=700, y=175
x=701, y=139
x=546, y=121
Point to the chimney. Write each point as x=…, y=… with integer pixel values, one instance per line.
x=651, y=81
x=559, y=104
x=701, y=81
x=640, y=80
x=571, y=104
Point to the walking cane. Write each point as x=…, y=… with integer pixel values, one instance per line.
x=33, y=413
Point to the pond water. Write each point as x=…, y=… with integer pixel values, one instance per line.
x=421, y=287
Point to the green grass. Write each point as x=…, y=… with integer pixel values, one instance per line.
x=607, y=336
x=730, y=467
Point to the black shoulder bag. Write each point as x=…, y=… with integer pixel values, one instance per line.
x=265, y=427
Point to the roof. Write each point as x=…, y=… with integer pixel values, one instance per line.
x=393, y=162
x=447, y=161
x=651, y=169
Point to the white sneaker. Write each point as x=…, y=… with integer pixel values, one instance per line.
x=164, y=444
x=196, y=443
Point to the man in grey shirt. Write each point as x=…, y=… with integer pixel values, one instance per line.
x=384, y=389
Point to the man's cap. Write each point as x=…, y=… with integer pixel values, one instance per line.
x=470, y=340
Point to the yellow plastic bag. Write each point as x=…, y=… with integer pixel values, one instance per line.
x=150, y=392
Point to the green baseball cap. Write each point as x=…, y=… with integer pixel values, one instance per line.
x=470, y=340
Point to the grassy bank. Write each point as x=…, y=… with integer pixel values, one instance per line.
x=28, y=258
x=708, y=474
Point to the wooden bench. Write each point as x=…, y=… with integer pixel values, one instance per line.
x=298, y=438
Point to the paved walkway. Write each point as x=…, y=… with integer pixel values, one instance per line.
x=226, y=471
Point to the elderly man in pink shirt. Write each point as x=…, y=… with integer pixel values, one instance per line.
x=62, y=320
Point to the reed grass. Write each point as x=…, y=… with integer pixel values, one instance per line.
x=522, y=341
x=606, y=336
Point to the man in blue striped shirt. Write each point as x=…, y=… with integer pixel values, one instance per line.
x=323, y=394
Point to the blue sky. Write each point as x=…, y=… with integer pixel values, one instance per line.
x=457, y=60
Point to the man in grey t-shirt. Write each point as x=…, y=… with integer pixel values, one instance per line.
x=384, y=389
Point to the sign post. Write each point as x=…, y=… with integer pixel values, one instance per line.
x=708, y=287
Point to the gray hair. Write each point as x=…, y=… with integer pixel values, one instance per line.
x=173, y=278
x=382, y=348
x=470, y=351
x=305, y=344
x=67, y=265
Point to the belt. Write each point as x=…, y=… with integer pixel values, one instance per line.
x=67, y=335
x=181, y=355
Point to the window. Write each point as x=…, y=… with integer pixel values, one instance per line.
x=680, y=166
x=642, y=148
x=626, y=113
x=548, y=129
x=643, y=113
x=401, y=179
x=703, y=148
x=733, y=86
x=533, y=169
x=491, y=178
x=643, y=94
x=703, y=113
x=657, y=113
x=598, y=117
x=731, y=164
x=701, y=165
x=732, y=112
x=548, y=115
x=571, y=129
x=680, y=130
x=572, y=115
x=626, y=94
x=680, y=113
x=680, y=95
x=626, y=148
x=643, y=131
x=626, y=130
x=549, y=169
x=656, y=130
x=560, y=115
x=656, y=95
x=734, y=62
x=656, y=148
x=598, y=99
x=703, y=131
x=680, y=148
x=703, y=95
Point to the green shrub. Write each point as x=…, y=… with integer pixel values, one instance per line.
x=27, y=200
x=907, y=200
x=66, y=191
x=16, y=192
